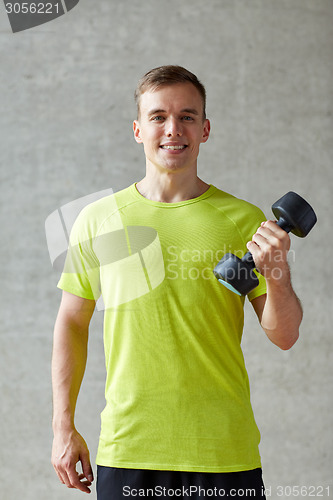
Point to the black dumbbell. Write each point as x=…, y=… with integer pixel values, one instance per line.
x=294, y=214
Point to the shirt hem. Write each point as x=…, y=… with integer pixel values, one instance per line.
x=182, y=468
x=75, y=291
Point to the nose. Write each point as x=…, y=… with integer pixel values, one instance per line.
x=173, y=127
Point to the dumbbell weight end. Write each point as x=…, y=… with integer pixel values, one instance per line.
x=295, y=215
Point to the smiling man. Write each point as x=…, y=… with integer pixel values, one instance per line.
x=171, y=126
x=178, y=417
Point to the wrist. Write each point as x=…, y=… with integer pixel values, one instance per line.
x=278, y=276
x=63, y=424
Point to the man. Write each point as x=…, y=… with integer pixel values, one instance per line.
x=178, y=413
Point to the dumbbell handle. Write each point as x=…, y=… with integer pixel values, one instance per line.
x=283, y=224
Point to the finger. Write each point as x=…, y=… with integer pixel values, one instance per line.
x=62, y=475
x=83, y=480
x=263, y=241
x=265, y=237
x=252, y=246
x=273, y=227
x=270, y=230
x=256, y=251
x=76, y=483
x=86, y=467
x=66, y=480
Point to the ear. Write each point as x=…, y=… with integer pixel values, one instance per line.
x=206, y=131
x=136, y=130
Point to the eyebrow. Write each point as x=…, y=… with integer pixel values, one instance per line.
x=191, y=111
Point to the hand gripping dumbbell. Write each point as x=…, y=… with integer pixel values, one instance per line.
x=294, y=214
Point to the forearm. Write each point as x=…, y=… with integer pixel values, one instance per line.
x=68, y=366
x=282, y=313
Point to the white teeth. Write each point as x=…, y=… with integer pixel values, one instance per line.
x=173, y=147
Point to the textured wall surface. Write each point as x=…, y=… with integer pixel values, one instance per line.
x=66, y=131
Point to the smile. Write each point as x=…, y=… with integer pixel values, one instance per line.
x=173, y=148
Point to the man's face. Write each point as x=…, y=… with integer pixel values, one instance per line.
x=171, y=127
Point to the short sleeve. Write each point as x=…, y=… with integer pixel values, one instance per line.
x=259, y=290
x=81, y=273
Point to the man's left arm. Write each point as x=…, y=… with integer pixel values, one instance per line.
x=279, y=310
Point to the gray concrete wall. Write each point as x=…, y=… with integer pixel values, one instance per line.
x=66, y=116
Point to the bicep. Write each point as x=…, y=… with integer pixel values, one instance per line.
x=75, y=311
x=258, y=305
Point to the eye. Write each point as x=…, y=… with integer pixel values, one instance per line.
x=187, y=118
x=157, y=118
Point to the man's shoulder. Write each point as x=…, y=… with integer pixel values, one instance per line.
x=92, y=217
x=231, y=204
x=108, y=205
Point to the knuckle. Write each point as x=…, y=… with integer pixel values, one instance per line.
x=56, y=465
x=286, y=238
x=67, y=465
x=72, y=483
x=276, y=243
x=63, y=465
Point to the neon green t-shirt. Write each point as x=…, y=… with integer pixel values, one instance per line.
x=177, y=391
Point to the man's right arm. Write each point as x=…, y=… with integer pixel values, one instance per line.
x=68, y=366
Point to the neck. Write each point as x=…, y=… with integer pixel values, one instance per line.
x=171, y=187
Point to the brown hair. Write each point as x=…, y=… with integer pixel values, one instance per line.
x=168, y=75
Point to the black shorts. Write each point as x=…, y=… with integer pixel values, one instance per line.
x=119, y=484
